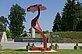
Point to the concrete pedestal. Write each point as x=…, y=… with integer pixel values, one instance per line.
x=32, y=32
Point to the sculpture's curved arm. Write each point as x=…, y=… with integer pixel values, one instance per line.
x=35, y=25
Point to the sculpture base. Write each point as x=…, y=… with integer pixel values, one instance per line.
x=40, y=49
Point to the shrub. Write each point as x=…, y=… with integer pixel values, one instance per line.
x=66, y=37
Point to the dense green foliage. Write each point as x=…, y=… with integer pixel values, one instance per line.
x=68, y=16
x=9, y=34
x=3, y=23
x=73, y=35
x=78, y=17
x=71, y=17
x=2, y=28
x=57, y=23
x=67, y=37
x=16, y=17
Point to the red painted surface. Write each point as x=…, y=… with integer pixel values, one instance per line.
x=35, y=24
x=40, y=49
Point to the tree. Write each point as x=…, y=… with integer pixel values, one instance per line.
x=2, y=28
x=9, y=34
x=79, y=16
x=46, y=31
x=4, y=21
x=79, y=26
x=16, y=17
x=69, y=18
x=72, y=16
x=57, y=23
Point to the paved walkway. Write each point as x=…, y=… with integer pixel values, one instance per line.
x=22, y=45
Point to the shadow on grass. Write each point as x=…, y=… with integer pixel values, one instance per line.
x=20, y=50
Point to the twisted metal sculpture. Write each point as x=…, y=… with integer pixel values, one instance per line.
x=35, y=24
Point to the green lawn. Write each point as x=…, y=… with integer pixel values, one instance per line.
x=38, y=35
x=25, y=52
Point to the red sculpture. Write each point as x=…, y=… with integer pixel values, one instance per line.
x=34, y=22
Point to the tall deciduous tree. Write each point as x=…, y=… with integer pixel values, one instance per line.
x=4, y=21
x=57, y=23
x=16, y=17
x=2, y=28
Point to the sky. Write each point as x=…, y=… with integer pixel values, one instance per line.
x=46, y=17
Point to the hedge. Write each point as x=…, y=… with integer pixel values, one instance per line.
x=72, y=35
x=67, y=37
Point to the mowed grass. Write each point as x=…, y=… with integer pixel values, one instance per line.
x=10, y=51
x=38, y=35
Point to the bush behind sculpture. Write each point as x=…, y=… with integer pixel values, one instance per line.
x=67, y=37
